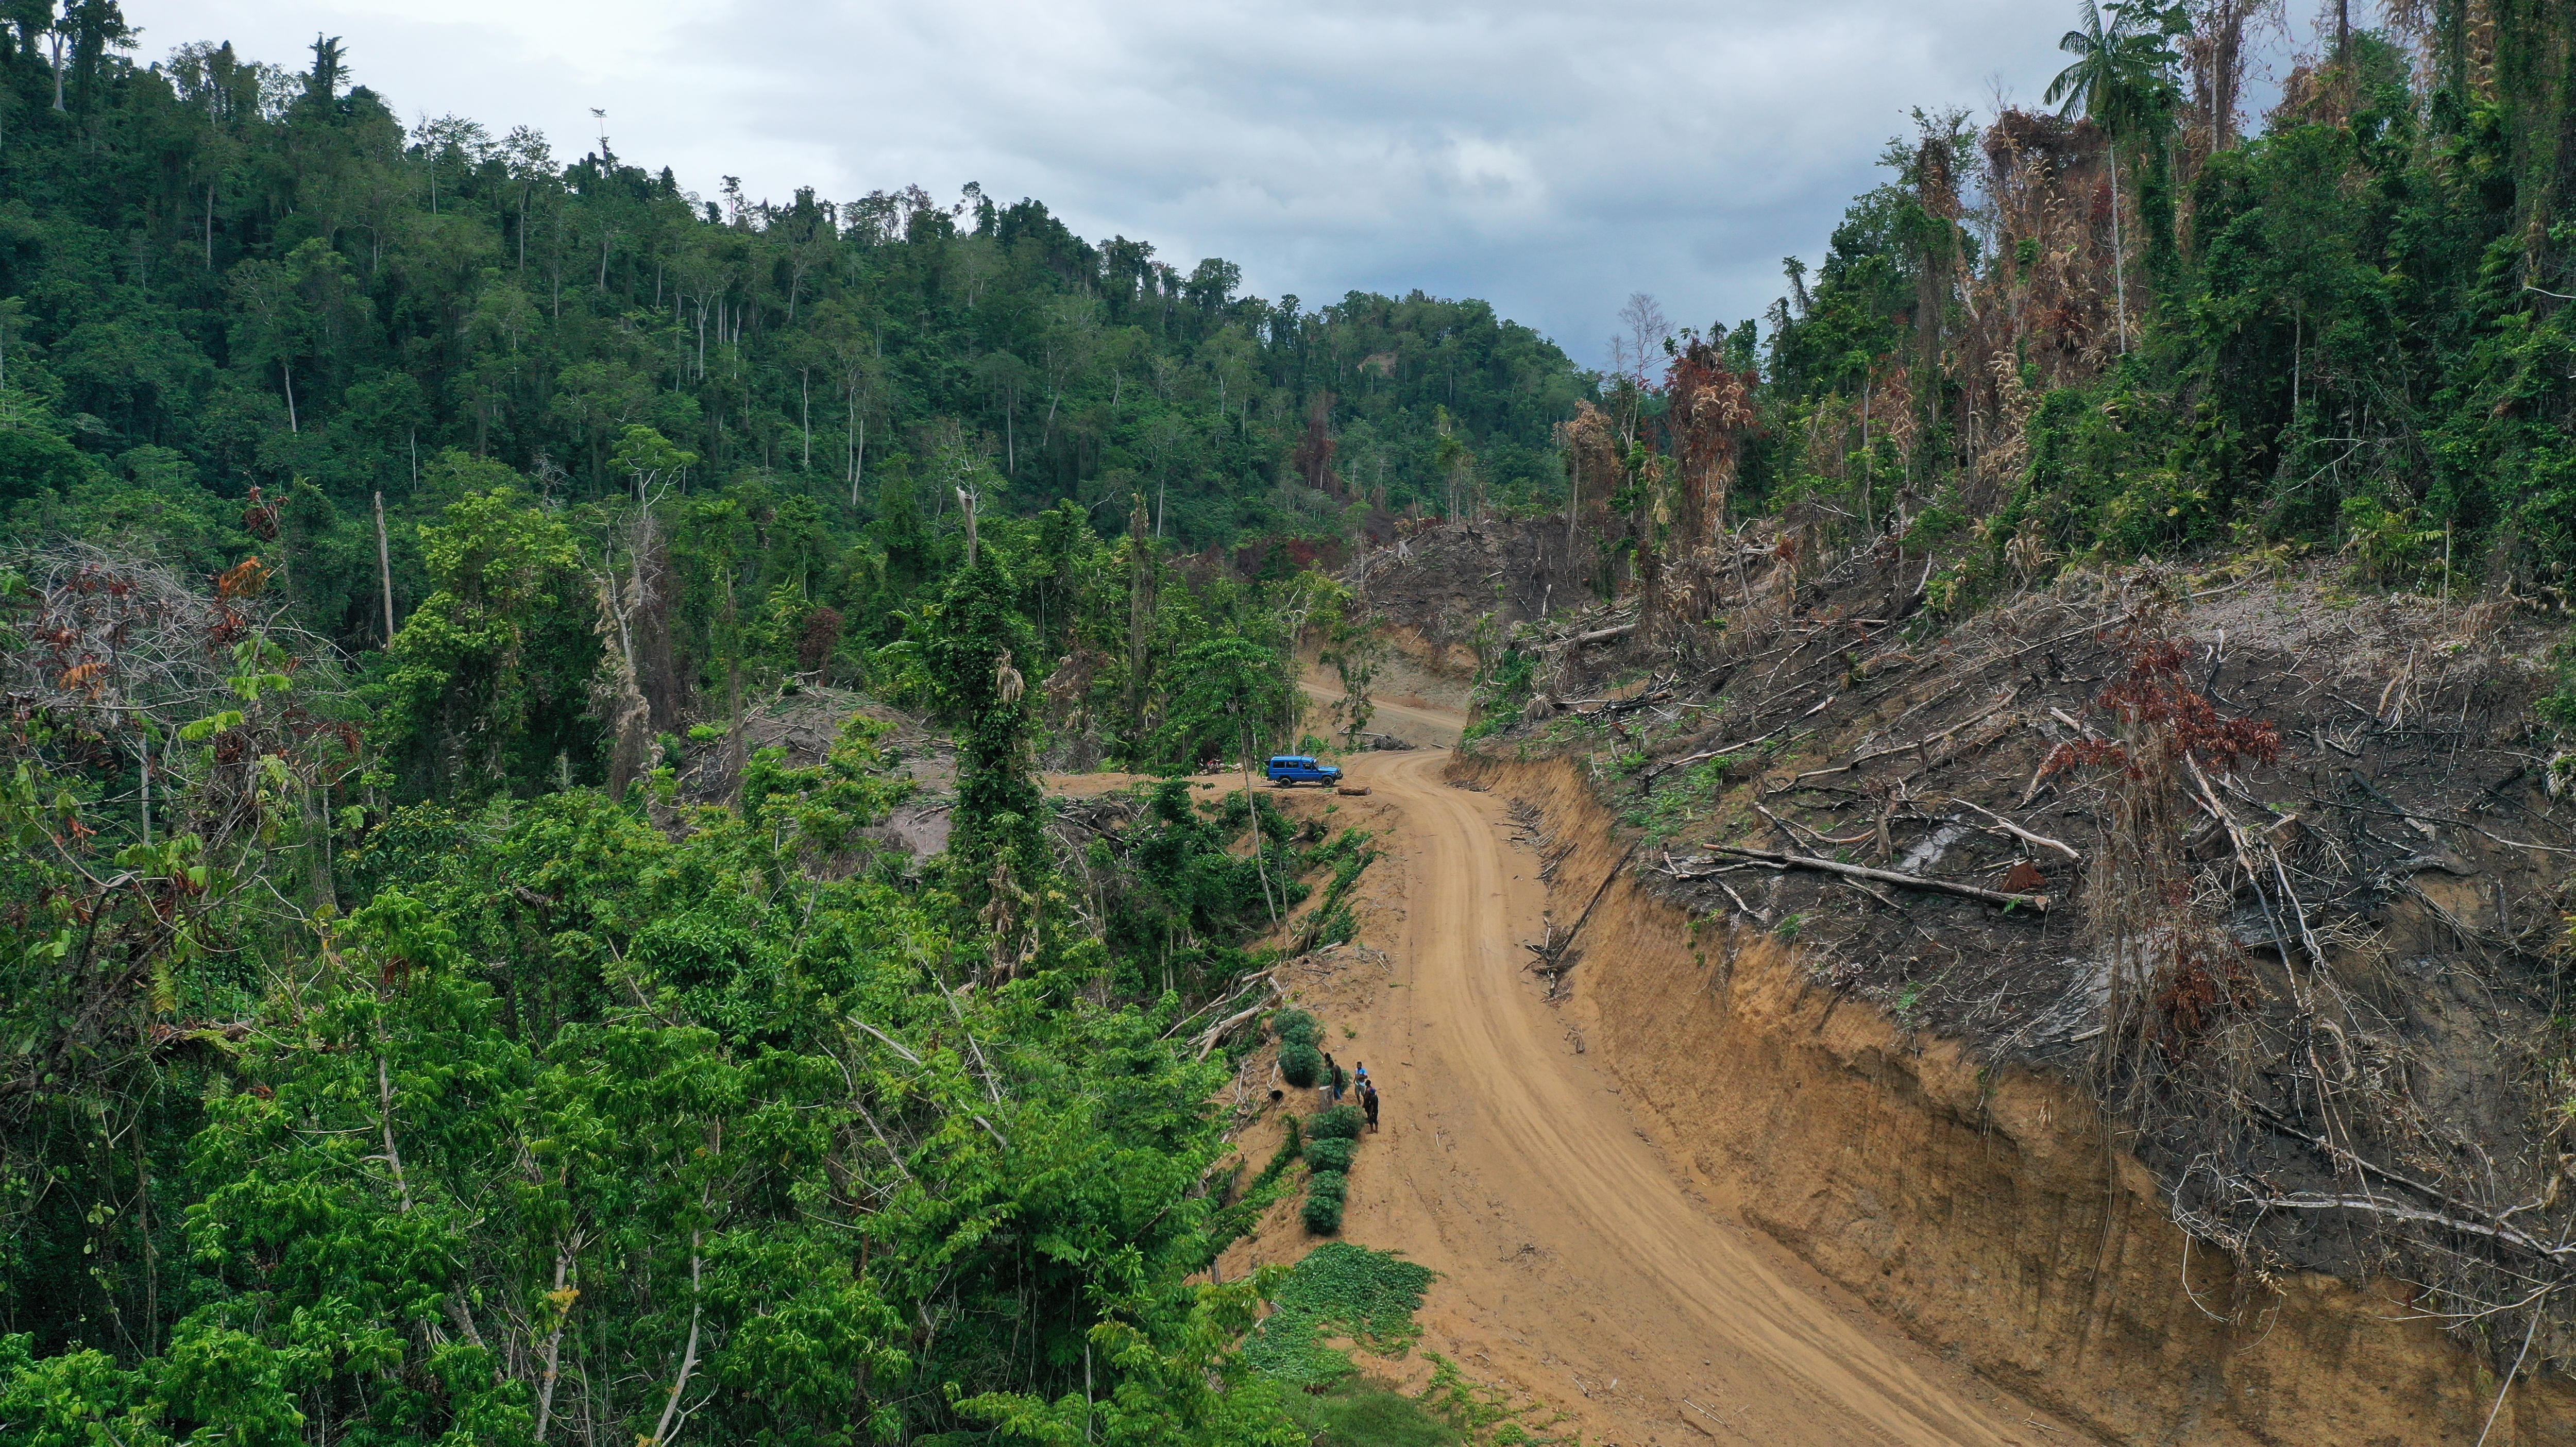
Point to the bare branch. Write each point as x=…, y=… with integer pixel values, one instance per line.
x=1684, y=869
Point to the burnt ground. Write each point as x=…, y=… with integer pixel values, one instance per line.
x=2320, y=987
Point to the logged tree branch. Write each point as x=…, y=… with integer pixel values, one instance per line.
x=1597, y=635
x=2318, y=1201
x=2024, y=835
x=1209, y=1038
x=1683, y=870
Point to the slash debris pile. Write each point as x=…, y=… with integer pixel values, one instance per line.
x=2275, y=867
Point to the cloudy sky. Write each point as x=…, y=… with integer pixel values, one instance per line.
x=1551, y=157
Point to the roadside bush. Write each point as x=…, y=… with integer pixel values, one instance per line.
x=1342, y=1122
x=1300, y=1063
x=1325, y=1195
x=1364, y=1412
x=1296, y=1027
x=1332, y=1154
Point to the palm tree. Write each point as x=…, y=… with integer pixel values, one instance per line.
x=2121, y=79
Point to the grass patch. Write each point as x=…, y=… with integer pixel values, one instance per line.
x=1358, y=1411
x=1685, y=800
x=1340, y=1290
x=1366, y=1298
x=1483, y=1414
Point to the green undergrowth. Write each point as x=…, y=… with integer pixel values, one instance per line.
x=1340, y=1291
x=1332, y=922
x=1367, y=1299
x=1683, y=800
x=1486, y=1414
x=1361, y=1411
x=1233, y=1222
x=1336, y=1131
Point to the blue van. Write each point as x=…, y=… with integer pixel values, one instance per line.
x=1289, y=769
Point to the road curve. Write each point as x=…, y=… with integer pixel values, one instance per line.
x=1436, y=727
x=1574, y=1265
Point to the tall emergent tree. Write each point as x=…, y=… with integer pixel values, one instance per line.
x=2122, y=80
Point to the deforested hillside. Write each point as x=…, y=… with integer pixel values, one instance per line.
x=2111, y=621
x=2270, y=865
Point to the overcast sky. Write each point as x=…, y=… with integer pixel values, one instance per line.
x=1551, y=158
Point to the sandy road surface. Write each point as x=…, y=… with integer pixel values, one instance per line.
x=1575, y=1268
x=1435, y=727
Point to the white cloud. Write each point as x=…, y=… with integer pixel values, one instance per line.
x=1549, y=157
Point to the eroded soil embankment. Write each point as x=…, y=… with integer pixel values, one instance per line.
x=1985, y=1214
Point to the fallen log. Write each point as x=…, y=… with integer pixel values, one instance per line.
x=1351, y=791
x=1207, y=1041
x=1597, y=635
x=2024, y=835
x=1857, y=871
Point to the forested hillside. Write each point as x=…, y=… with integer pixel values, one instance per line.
x=234, y=285
x=428, y=1012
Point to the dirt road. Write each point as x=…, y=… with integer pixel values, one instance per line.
x=1436, y=728
x=1574, y=1267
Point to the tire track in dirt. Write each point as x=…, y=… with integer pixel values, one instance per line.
x=1574, y=1266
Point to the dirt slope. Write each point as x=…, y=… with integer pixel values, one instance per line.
x=1575, y=1267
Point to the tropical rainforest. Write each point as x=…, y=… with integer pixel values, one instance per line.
x=425, y=1014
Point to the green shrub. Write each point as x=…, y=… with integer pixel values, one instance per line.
x=1341, y=1290
x=1363, y=1412
x=1295, y=1027
x=1301, y=1063
x=1342, y=1122
x=1325, y=1194
x=1332, y=1153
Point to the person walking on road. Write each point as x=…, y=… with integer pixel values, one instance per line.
x=1368, y=1103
